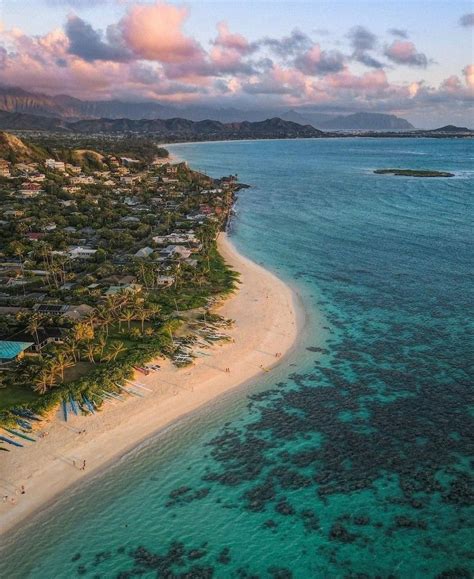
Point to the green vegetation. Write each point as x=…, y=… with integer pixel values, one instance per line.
x=101, y=266
x=413, y=173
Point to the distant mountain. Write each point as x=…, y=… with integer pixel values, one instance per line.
x=169, y=129
x=28, y=122
x=17, y=100
x=366, y=122
x=185, y=129
x=452, y=129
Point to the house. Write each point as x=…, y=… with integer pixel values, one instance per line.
x=130, y=287
x=68, y=203
x=13, y=213
x=78, y=312
x=171, y=169
x=12, y=350
x=176, y=238
x=144, y=252
x=79, y=252
x=42, y=338
x=165, y=280
x=55, y=165
x=51, y=309
x=127, y=162
x=74, y=169
x=37, y=177
x=71, y=188
x=129, y=179
x=82, y=180
x=176, y=251
x=33, y=236
x=28, y=190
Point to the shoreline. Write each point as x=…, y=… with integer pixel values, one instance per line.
x=52, y=465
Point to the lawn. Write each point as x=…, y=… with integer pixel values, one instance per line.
x=16, y=395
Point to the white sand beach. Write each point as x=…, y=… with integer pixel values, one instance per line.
x=268, y=320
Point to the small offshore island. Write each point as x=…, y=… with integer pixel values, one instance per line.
x=413, y=173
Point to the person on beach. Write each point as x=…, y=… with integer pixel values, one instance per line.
x=83, y=465
x=22, y=490
x=5, y=498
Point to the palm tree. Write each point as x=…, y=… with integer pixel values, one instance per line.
x=63, y=362
x=106, y=318
x=44, y=376
x=90, y=350
x=115, y=350
x=70, y=348
x=35, y=323
x=90, y=319
x=101, y=343
x=127, y=316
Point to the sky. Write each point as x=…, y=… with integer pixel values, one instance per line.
x=413, y=58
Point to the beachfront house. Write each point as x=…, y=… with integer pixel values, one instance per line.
x=12, y=350
x=44, y=337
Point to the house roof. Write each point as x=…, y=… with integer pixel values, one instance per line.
x=10, y=350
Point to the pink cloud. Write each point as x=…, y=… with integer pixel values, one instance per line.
x=468, y=72
x=154, y=32
x=369, y=81
x=405, y=52
x=232, y=41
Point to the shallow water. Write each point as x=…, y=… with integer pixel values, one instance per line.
x=353, y=459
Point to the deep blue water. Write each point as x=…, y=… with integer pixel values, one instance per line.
x=355, y=458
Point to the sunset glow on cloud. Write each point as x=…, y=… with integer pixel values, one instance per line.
x=147, y=52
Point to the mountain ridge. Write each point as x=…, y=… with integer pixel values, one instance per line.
x=367, y=122
x=63, y=106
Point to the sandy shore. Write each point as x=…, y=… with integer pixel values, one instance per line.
x=267, y=320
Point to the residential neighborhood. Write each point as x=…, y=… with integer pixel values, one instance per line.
x=99, y=255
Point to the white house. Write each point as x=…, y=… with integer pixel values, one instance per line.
x=79, y=252
x=55, y=165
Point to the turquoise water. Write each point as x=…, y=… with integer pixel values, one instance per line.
x=354, y=458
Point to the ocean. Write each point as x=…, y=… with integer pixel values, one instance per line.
x=354, y=458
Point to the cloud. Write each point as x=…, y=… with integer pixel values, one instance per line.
x=154, y=32
x=468, y=73
x=3, y=57
x=398, y=32
x=319, y=62
x=467, y=19
x=76, y=3
x=232, y=41
x=289, y=45
x=362, y=41
x=88, y=43
x=147, y=55
x=404, y=52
